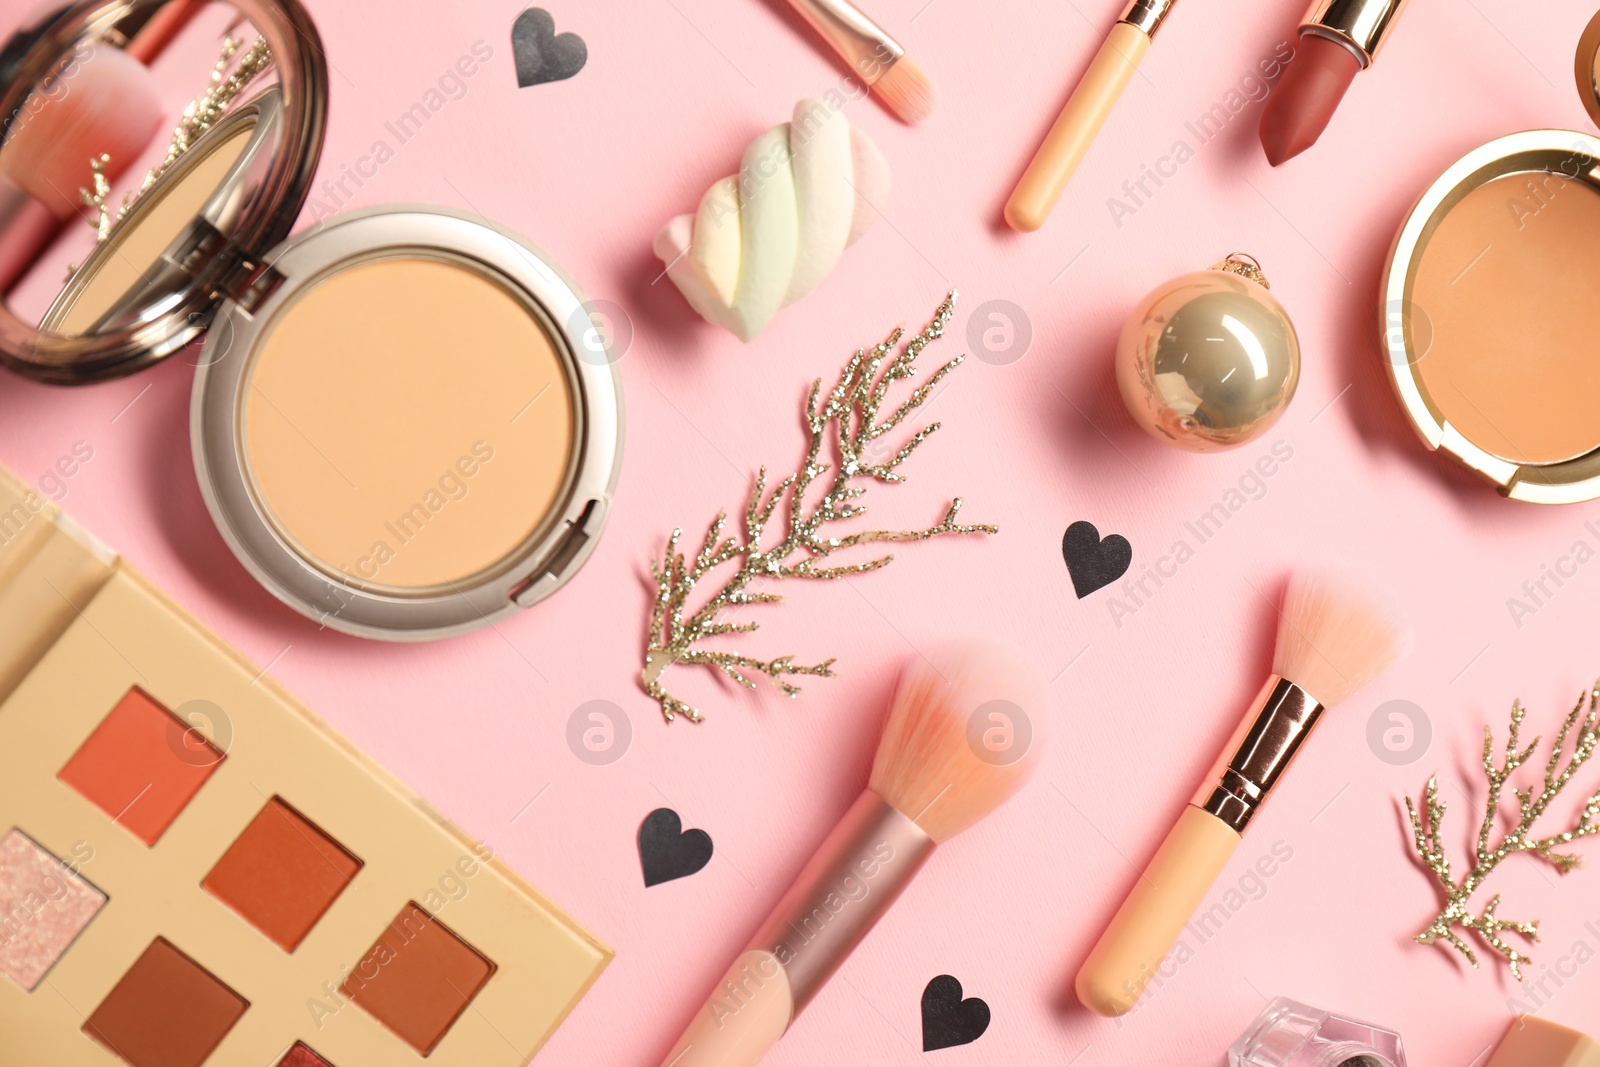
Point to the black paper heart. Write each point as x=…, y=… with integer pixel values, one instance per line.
x=947, y=1020
x=541, y=54
x=668, y=851
x=1092, y=561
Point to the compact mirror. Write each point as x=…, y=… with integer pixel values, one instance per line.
x=1488, y=308
x=153, y=152
x=474, y=484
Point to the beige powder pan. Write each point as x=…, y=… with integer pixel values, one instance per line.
x=1508, y=282
x=1488, y=306
x=407, y=439
x=408, y=423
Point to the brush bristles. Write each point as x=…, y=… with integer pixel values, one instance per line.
x=964, y=734
x=109, y=107
x=1335, y=636
x=907, y=91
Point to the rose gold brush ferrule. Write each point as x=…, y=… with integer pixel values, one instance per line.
x=865, y=45
x=1360, y=25
x=1261, y=749
x=858, y=871
x=1148, y=15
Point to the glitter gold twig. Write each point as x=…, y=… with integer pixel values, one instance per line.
x=202, y=113
x=846, y=422
x=97, y=199
x=1488, y=926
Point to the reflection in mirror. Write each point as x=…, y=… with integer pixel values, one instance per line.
x=110, y=161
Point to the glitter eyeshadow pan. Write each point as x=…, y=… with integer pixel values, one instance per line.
x=44, y=906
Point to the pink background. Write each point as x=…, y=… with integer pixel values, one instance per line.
x=590, y=168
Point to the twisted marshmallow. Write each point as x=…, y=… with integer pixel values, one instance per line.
x=762, y=240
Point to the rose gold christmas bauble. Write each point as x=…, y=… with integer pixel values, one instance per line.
x=1209, y=360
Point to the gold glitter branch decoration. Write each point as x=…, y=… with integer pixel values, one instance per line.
x=1530, y=806
x=202, y=113
x=848, y=419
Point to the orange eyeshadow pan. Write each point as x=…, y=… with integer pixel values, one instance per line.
x=282, y=873
x=141, y=766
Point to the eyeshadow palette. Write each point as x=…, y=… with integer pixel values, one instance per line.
x=195, y=870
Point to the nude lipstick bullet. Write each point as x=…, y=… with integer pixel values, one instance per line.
x=1338, y=40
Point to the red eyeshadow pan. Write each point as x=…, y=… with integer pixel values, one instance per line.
x=141, y=766
x=301, y=1056
x=418, y=978
x=167, y=1011
x=282, y=874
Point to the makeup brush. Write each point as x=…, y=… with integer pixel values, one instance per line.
x=1085, y=112
x=102, y=103
x=153, y=34
x=928, y=784
x=874, y=55
x=1333, y=638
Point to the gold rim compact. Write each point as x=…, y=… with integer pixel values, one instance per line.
x=1487, y=308
x=406, y=421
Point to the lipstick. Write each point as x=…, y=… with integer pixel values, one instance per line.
x=1338, y=40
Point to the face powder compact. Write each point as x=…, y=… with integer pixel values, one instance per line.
x=404, y=423
x=403, y=439
x=1489, y=302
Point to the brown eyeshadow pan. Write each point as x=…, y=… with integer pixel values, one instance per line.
x=418, y=978
x=166, y=1011
x=282, y=874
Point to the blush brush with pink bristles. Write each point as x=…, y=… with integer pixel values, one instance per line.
x=875, y=56
x=1333, y=638
x=963, y=735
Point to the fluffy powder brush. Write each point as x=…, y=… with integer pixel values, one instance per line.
x=873, y=55
x=963, y=735
x=1334, y=637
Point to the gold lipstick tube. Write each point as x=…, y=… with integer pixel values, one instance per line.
x=1360, y=25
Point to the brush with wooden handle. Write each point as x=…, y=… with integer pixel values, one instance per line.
x=1085, y=113
x=1333, y=638
x=875, y=56
x=929, y=782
